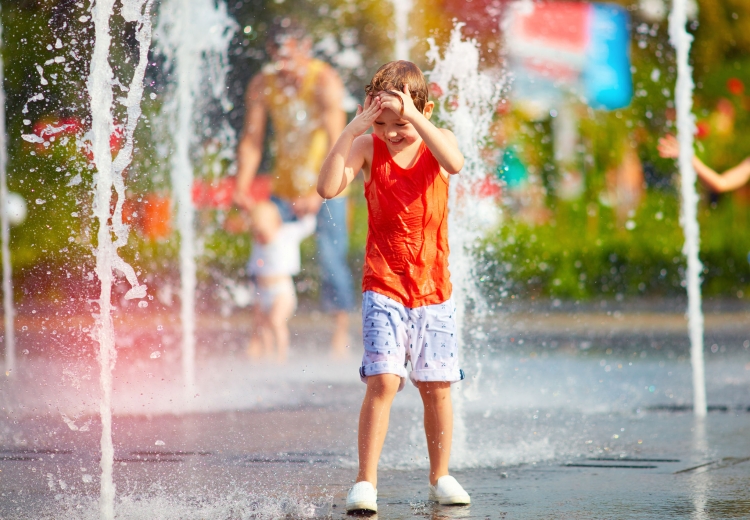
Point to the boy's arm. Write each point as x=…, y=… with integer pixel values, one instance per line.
x=441, y=142
x=348, y=154
x=250, y=147
x=731, y=179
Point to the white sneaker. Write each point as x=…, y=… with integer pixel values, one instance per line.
x=362, y=497
x=449, y=492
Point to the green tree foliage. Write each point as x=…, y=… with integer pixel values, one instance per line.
x=722, y=35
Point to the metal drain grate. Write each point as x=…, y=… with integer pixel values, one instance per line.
x=30, y=454
x=160, y=456
x=726, y=462
x=289, y=457
x=619, y=462
x=622, y=466
x=689, y=408
x=631, y=459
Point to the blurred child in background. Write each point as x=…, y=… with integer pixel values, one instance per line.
x=274, y=259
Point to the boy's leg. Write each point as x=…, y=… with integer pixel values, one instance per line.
x=438, y=426
x=373, y=423
x=278, y=317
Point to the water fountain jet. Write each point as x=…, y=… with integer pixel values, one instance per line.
x=681, y=40
x=402, y=9
x=108, y=175
x=466, y=108
x=188, y=34
x=9, y=337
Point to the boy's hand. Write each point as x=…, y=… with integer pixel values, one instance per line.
x=400, y=102
x=669, y=147
x=365, y=116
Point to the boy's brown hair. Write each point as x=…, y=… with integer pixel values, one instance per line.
x=394, y=75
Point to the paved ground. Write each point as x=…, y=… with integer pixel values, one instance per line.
x=584, y=428
x=234, y=465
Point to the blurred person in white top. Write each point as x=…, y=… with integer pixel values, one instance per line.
x=274, y=259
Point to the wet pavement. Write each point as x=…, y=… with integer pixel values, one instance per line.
x=542, y=431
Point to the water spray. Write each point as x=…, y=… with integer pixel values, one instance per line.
x=681, y=40
x=467, y=106
x=8, y=309
x=402, y=10
x=108, y=175
x=190, y=34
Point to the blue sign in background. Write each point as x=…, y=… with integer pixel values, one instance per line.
x=607, y=79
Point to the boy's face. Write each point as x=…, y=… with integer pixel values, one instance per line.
x=396, y=132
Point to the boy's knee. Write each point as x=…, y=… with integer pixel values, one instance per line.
x=434, y=390
x=384, y=384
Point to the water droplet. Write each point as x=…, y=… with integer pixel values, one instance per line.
x=40, y=201
x=142, y=305
x=159, y=327
x=155, y=355
x=159, y=443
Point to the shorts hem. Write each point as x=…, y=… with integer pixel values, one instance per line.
x=448, y=375
x=376, y=369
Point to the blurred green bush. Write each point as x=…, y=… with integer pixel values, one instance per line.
x=583, y=252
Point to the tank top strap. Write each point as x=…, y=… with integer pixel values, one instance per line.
x=379, y=152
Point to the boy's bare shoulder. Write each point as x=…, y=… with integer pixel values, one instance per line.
x=363, y=145
x=449, y=134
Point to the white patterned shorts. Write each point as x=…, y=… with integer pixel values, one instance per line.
x=395, y=335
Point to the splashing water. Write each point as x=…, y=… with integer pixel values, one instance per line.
x=681, y=40
x=194, y=36
x=9, y=311
x=467, y=108
x=157, y=502
x=108, y=175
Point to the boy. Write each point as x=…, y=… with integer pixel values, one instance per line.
x=407, y=312
x=275, y=258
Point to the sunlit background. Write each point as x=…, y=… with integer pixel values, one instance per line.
x=577, y=274
x=589, y=209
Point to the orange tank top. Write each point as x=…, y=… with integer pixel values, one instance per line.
x=406, y=256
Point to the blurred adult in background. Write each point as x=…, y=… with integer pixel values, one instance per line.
x=302, y=96
x=730, y=180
